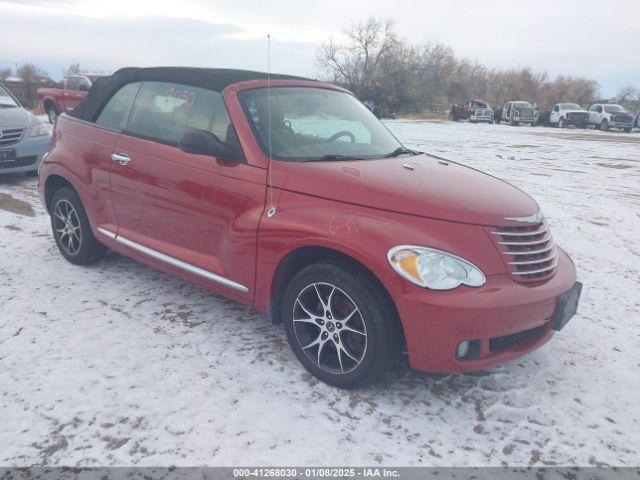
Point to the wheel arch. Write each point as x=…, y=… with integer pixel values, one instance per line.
x=52, y=184
x=48, y=102
x=303, y=256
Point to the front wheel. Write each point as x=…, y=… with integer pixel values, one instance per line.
x=71, y=229
x=561, y=123
x=339, y=326
x=604, y=125
x=52, y=115
x=627, y=130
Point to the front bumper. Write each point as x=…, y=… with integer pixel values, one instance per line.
x=505, y=318
x=29, y=153
x=621, y=125
x=474, y=118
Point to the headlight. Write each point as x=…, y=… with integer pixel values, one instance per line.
x=39, y=130
x=434, y=269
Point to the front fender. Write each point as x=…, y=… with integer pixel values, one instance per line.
x=364, y=234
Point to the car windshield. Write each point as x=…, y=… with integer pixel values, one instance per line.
x=570, y=106
x=522, y=104
x=614, y=109
x=310, y=124
x=6, y=100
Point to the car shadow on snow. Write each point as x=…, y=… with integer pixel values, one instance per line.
x=177, y=303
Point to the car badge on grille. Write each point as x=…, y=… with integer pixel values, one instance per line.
x=535, y=218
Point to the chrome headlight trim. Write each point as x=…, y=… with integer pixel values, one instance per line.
x=474, y=277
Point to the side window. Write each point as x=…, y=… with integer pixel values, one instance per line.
x=599, y=109
x=165, y=111
x=83, y=84
x=116, y=111
x=73, y=83
x=556, y=108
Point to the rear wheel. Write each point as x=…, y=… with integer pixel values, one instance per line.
x=339, y=326
x=71, y=229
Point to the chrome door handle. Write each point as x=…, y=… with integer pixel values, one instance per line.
x=122, y=158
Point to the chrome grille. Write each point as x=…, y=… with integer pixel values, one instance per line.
x=528, y=251
x=10, y=136
x=577, y=115
x=622, y=118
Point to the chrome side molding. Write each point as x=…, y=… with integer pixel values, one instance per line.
x=187, y=267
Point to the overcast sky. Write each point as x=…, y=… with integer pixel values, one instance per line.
x=592, y=38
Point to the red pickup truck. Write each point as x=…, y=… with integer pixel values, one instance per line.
x=66, y=96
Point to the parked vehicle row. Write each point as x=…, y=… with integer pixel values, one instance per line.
x=289, y=195
x=603, y=116
x=24, y=139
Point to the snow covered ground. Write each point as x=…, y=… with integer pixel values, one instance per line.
x=120, y=364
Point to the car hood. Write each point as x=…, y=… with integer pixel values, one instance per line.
x=422, y=185
x=16, y=117
x=573, y=111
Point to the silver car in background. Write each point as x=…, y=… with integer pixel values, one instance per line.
x=24, y=138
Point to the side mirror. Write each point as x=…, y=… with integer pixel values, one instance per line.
x=201, y=142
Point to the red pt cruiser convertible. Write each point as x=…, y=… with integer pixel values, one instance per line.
x=288, y=195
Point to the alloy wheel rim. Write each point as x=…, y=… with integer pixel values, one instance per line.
x=330, y=328
x=67, y=227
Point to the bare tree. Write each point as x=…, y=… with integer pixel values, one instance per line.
x=73, y=69
x=32, y=73
x=399, y=76
x=356, y=62
x=629, y=97
x=5, y=73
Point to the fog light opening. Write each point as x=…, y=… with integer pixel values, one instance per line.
x=468, y=350
x=463, y=349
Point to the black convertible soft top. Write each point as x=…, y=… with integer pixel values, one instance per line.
x=211, y=78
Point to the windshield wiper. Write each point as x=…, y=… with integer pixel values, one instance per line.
x=401, y=151
x=332, y=156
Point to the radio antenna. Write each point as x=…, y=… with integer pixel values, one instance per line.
x=272, y=208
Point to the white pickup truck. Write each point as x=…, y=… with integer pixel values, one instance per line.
x=564, y=114
x=610, y=115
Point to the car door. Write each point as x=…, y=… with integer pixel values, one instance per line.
x=594, y=115
x=193, y=214
x=72, y=94
x=555, y=114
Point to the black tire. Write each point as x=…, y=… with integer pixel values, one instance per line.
x=604, y=125
x=627, y=130
x=52, y=115
x=370, y=353
x=83, y=248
